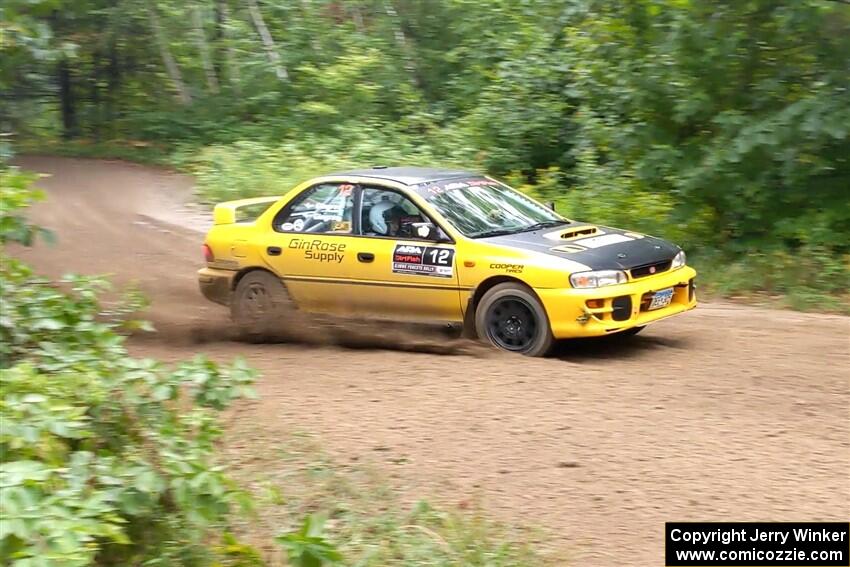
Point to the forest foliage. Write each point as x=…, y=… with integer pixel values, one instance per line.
x=104, y=459
x=722, y=125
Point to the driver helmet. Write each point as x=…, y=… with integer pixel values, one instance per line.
x=381, y=214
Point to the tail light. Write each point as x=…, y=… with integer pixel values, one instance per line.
x=208, y=253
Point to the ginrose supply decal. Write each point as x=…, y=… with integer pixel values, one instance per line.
x=319, y=250
x=762, y=544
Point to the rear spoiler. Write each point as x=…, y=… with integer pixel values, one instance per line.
x=226, y=213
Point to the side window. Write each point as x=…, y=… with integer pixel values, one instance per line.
x=323, y=209
x=387, y=213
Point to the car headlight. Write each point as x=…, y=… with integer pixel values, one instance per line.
x=598, y=278
x=679, y=260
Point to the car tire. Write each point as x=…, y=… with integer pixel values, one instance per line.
x=509, y=316
x=258, y=306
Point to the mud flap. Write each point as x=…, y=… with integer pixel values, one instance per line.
x=468, y=331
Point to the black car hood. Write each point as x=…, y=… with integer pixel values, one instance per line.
x=597, y=247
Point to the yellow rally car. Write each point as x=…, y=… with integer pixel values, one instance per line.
x=423, y=244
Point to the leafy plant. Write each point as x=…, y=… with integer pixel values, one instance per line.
x=99, y=463
x=104, y=459
x=248, y=168
x=16, y=194
x=307, y=547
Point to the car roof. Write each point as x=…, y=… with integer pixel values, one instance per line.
x=408, y=175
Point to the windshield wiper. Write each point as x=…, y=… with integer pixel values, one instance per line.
x=539, y=225
x=497, y=232
x=505, y=231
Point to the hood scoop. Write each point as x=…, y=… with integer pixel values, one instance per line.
x=573, y=233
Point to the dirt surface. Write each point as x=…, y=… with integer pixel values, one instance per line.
x=726, y=413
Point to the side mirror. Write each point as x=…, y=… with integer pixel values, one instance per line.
x=427, y=231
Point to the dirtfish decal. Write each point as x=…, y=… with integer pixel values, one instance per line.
x=432, y=261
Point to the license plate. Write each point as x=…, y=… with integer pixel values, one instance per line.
x=661, y=299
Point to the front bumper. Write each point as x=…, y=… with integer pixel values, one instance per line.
x=216, y=285
x=603, y=311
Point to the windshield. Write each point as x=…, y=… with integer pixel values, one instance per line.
x=482, y=207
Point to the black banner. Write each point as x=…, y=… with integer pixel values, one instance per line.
x=758, y=544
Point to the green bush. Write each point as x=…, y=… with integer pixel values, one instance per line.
x=16, y=195
x=250, y=169
x=101, y=461
x=104, y=459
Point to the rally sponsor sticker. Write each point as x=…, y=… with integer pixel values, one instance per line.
x=418, y=260
x=600, y=241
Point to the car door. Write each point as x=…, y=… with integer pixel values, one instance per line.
x=396, y=273
x=311, y=245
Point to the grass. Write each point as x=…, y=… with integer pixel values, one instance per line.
x=367, y=519
x=777, y=281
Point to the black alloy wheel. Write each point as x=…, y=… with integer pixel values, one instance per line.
x=511, y=324
x=510, y=316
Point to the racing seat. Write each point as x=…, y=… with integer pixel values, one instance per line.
x=365, y=223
